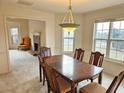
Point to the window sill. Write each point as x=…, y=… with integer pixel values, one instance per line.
x=114, y=61
x=67, y=52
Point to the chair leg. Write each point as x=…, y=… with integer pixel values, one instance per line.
x=43, y=78
x=48, y=90
x=48, y=87
x=100, y=78
x=40, y=72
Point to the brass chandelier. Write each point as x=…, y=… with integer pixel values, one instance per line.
x=68, y=23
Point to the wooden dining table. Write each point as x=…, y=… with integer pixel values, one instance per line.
x=73, y=70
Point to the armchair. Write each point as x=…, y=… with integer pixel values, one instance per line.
x=25, y=43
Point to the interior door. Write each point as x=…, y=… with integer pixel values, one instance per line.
x=13, y=33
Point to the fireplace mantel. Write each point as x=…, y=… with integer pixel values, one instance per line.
x=36, y=42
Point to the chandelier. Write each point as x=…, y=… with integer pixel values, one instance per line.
x=68, y=23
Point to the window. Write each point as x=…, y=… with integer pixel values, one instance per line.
x=109, y=39
x=14, y=35
x=68, y=41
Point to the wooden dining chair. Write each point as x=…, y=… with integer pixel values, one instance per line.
x=96, y=59
x=56, y=84
x=40, y=66
x=79, y=54
x=96, y=88
x=44, y=52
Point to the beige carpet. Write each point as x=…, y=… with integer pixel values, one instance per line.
x=25, y=76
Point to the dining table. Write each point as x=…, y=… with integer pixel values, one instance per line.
x=72, y=70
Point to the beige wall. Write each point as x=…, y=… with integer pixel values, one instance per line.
x=59, y=33
x=4, y=67
x=26, y=13
x=87, y=33
x=37, y=26
x=23, y=28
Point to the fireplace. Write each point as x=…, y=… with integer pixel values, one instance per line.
x=36, y=42
x=36, y=46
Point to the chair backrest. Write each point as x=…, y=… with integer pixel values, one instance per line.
x=96, y=58
x=79, y=54
x=45, y=51
x=115, y=83
x=51, y=78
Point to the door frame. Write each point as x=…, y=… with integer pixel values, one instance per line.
x=10, y=25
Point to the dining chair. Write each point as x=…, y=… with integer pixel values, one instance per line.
x=44, y=52
x=96, y=59
x=96, y=88
x=40, y=66
x=79, y=54
x=56, y=84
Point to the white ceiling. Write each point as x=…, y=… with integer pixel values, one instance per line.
x=59, y=6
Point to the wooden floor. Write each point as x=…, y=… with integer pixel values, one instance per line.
x=24, y=77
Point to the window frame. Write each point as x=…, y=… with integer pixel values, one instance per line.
x=108, y=40
x=68, y=38
x=14, y=35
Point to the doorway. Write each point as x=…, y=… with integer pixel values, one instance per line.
x=17, y=28
x=13, y=34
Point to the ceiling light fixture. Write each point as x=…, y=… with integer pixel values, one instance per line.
x=68, y=23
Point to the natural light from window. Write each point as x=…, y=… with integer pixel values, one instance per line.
x=109, y=39
x=14, y=35
x=68, y=41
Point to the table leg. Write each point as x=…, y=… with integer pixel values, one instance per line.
x=100, y=78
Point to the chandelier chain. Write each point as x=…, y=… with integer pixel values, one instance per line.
x=70, y=4
x=68, y=23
